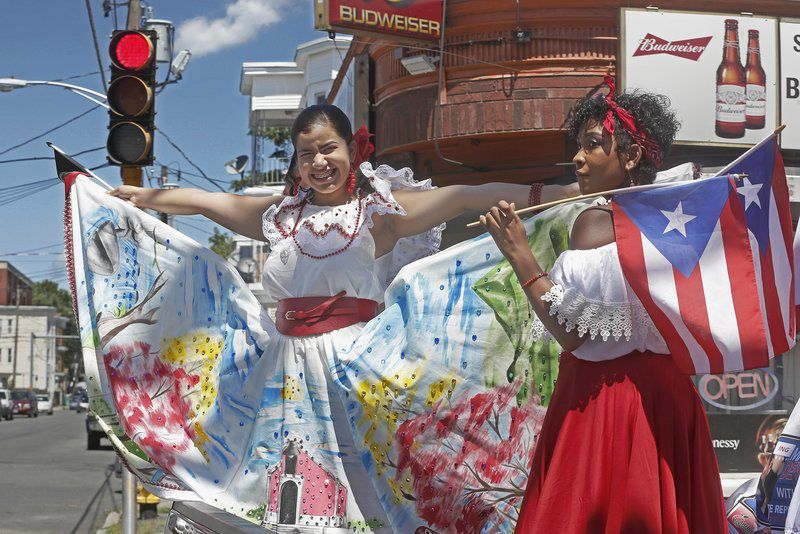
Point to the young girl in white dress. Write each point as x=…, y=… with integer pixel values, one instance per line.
x=333, y=247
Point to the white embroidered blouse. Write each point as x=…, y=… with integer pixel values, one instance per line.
x=332, y=249
x=591, y=295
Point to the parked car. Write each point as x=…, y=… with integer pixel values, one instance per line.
x=94, y=432
x=44, y=403
x=25, y=403
x=6, y=405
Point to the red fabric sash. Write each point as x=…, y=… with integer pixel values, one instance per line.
x=311, y=316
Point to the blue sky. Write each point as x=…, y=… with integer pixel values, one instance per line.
x=204, y=113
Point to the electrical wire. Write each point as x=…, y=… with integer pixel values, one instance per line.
x=184, y=223
x=75, y=77
x=38, y=158
x=27, y=251
x=192, y=163
x=17, y=192
x=180, y=173
x=51, y=130
x=96, y=46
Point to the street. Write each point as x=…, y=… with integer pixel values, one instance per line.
x=50, y=482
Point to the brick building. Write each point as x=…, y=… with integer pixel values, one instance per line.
x=14, y=285
x=505, y=95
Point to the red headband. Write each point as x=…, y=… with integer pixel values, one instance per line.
x=363, y=147
x=650, y=148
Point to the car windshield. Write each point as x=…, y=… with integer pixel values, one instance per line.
x=42, y=397
x=19, y=395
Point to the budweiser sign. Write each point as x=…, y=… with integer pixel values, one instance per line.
x=688, y=48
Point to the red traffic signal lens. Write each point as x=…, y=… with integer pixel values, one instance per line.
x=128, y=143
x=131, y=50
x=129, y=96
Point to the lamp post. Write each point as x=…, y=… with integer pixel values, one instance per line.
x=9, y=84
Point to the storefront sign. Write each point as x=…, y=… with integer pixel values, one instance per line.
x=403, y=19
x=742, y=442
x=719, y=71
x=790, y=84
x=741, y=391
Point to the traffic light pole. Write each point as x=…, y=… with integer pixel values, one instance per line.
x=130, y=176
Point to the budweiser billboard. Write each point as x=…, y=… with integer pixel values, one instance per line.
x=419, y=20
x=790, y=84
x=719, y=71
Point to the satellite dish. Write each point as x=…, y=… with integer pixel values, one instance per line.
x=237, y=165
x=247, y=266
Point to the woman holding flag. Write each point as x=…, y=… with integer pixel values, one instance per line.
x=334, y=244
x=625, y=444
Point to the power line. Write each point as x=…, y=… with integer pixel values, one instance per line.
x=32, y=249
x=38, y=158
x=184, y=223
x=192, y=163
x=96, y=46
x=75, y=77
x=51, y=130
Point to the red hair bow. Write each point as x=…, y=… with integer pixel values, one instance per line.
x=650, y=148
x=363, y=147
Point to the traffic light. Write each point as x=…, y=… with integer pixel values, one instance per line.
x=131, y=98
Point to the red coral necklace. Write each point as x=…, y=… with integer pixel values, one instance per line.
x=322, y=233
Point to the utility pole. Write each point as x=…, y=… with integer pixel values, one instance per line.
x=163, y=183
x=30, y=376
x=130, y=176
x=16, y=341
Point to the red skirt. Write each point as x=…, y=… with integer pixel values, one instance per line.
x=624, y=447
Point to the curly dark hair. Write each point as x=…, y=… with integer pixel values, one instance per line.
x=652, y=113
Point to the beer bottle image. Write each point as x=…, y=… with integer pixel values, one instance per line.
x=756, y=108
x=731, y=86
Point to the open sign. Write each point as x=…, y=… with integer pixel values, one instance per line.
x=739, y=391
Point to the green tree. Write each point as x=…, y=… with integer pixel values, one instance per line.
x=48, y=293
x=281, y=137
x=222, y=243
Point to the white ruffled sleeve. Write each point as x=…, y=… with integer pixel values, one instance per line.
x=384, y=180
x=591, y=295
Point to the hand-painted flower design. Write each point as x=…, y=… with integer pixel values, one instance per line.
x=151, y=400
x=468, y=460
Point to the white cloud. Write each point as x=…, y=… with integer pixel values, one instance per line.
x=243, y=20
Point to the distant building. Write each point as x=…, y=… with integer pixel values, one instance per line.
x=30, y=340
x=15, y=287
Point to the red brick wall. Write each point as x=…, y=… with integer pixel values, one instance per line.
x=9, y=283
x=474, y=107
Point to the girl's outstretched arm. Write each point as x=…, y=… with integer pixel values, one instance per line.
x=239, y=213
x=426, y=209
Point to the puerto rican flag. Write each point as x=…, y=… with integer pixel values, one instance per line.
x=764, y=195
x=711, y=262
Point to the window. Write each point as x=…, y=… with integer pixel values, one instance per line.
x=320, y=97
x=10, y=355
x=9, y=324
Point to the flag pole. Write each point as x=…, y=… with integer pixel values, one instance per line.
x=636, y=188
x=752, y=149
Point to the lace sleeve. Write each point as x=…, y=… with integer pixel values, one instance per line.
x=592, y=318
x=590, y=296
x=384, y=180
